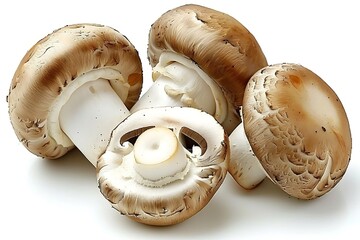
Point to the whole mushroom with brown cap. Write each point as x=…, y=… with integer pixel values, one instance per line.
x=201, y=58
x=163, y=165
x=295, y=131
x=72, y=88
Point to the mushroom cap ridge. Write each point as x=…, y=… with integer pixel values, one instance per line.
x=171, y=202
x=55, y=62
x=220, y=45
x=298, y=129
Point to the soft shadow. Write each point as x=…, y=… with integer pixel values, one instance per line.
x=263, y=206
x=73, y=164
x=272, y=199
x=71, y=175
x=213, y=217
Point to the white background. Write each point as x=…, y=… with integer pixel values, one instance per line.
x=44, y=199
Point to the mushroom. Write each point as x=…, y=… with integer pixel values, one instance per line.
x=297, y=130
x=163, y=165
x=201, y=58
x=72, y=88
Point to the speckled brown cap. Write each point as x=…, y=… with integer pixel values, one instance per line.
x=298, y=129
x=220, y=45
x=53, y=64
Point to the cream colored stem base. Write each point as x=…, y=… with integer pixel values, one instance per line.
x=90, y=115
x=244, y=166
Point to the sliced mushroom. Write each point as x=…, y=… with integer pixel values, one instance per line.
x=297, y=129
x=163, y=165
x=68, y=84
x=202, y=58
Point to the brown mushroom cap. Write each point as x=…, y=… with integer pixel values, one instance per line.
x=54, y=63
x=220, y=45
x=298, y=129
x=173, y=199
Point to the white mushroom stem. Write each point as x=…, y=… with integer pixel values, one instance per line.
x=90, y=114
x=244, y=165
x=158, y=155
x=180, y=82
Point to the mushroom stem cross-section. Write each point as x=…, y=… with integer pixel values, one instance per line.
x=159, y=155
x=163, y=165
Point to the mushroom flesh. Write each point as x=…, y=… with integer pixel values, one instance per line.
x=163, y=165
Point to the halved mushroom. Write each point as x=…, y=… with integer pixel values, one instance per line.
x=73, y=87
x=297, y=129
x=202, y=58
x=163, y=164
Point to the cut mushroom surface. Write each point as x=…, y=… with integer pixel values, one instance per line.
x=163, y=164
x=297, y=128
x=89, y=60
x=202, y=58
